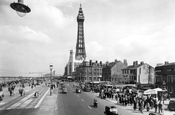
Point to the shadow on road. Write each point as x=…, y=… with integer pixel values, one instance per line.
x=92, y=106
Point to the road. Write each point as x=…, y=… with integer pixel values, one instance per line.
x=74, y=103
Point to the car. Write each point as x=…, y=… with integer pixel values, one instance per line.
x=155, y=113
x=87, y=89
x=78, y=90
x=111, y=110
x=64, y=90
x=171, y=105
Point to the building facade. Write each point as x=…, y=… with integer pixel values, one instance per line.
x=165, y=77
x=140, y=74
x=106, y=71
x=89, y=71
x=116, y=72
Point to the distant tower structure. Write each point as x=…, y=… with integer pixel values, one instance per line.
x=80, y=46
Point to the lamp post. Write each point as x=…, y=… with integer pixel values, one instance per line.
x=51, y=67
x=164, y=88
x=20, y=8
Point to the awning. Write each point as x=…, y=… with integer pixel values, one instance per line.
x=69, y=77
x=159, y=89
x=150, y=91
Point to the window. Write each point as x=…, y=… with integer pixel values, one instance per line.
x=173, y=79
x=134, y=77
x=168, y=78
x=168, y=69
x=158, y=70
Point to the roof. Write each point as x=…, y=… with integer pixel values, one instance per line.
x=168, y=64
x=111, y=64
x=132, y=67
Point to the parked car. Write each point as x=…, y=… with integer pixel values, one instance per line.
x=171, y=105
x=87, y=89
x=64, y=90
x=78, y=90
x=111, y=110
x=155, y=113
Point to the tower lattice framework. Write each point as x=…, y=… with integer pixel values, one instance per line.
x=80, y=46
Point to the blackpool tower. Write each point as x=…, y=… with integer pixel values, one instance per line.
x=80, y=46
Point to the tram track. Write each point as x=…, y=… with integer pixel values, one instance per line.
x=25, y=105
x=6, y=105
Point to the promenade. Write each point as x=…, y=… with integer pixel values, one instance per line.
x=27, y=104
x=7, y=98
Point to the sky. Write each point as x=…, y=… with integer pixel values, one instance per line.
x=136, y=30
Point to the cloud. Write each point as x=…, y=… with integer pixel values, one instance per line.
x=134, y=30
x=19, y=34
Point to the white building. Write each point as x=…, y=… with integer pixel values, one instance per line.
x=72, y=63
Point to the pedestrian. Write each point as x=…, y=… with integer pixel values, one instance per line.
x=10, y=90
x=21, y=91
x=0, y=87
x=13, y=88
x=155, y=104
x=51, y=89
x=160, y=106
x=135, y=103
x=1, y=95
x=141, y=105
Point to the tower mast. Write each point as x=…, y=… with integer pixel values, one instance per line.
x=80, y=46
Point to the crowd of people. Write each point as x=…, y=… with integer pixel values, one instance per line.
x=139, y=101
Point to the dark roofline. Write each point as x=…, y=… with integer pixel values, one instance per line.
x=132, y=67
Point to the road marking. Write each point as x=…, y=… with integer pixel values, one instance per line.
x=39, y=103
x=82, y=100
x=78, y=95
x=89, y=107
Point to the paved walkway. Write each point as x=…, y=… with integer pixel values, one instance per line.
x=8, y=98
x=49, y=104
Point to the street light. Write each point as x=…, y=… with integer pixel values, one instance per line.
x=164, y=88
x=51, y=67
x=20, y=8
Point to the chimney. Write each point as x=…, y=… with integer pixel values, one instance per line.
x=166, y=62
x=133, y=63
x=136, y=62
x=107, y=63
x=115, y=60
x=141, y=62
x=100, y=62
x=96, y=61
x=90, y=62
x=125, y=62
